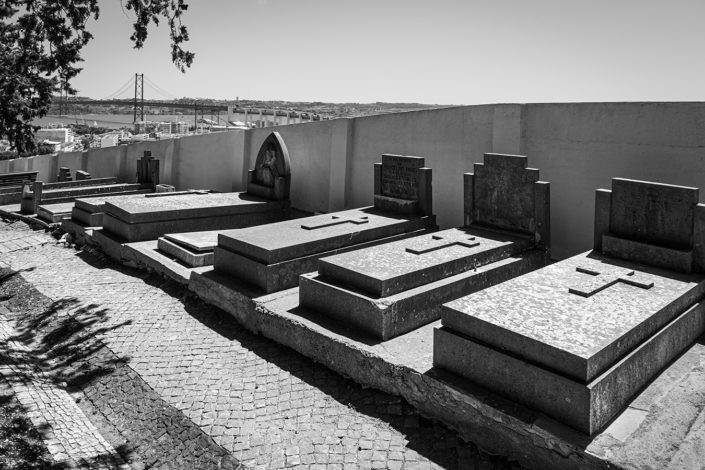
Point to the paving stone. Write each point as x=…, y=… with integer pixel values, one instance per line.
x=190, y=355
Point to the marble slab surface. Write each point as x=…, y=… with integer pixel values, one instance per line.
x=182, y=206
x=559, y=317
x=391, y=268
x=198, y=241
x=291, y=239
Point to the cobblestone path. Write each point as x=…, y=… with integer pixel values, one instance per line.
x=263, y=403
x=70, y=436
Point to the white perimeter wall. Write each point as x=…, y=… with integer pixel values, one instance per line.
x=577, y=147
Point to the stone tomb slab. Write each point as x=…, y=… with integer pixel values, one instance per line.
x=389, y=289
x=194, y=249
x=89, y=211
x=147, y=218
x=562, y=339
x=273, y=256
x=55, y=212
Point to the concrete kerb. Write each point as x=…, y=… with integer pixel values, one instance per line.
x=498, y=426
x=31, y=221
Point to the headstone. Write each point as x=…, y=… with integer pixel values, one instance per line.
x=393, y=288
x=148, y=170
x=64, y=174
x=271, y=177
x=650, y=223
x=403, y=184
x=82, y=175
x=577, y=339
x=504, y=193
x=272, y=257
x=31, y=198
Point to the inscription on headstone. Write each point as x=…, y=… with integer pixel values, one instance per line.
x=653, y=213
x=336, y=220
x=602, y=281
x=400, y=176
x=503, y=193
x=439, y=243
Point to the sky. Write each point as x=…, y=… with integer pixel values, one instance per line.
x=434, y=51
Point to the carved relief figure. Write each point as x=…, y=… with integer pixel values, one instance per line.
x=267, y=172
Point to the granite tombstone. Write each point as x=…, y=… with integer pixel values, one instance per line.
x=392, y=288
x=577, y=339
x=272, y=257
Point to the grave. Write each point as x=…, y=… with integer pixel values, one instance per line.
x=272, y=257
x=392, y=288
x=269, y=180
x=577, y=340
x=194, y=249
x=87, y=213
x=53, y=195
x=154, y=215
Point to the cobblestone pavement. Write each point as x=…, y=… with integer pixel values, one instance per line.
x=20, y=236
x=70, y=437
x=263, y=403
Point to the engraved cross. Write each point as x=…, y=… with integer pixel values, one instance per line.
x=336, y=220
x=438, y=243
x=603, y=281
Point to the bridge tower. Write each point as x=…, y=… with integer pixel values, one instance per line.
x=139, y=98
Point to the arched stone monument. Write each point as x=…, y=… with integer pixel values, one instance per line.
x=271, y=177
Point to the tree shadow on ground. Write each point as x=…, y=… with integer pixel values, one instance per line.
x=56, y=342
x=428, y=438
x=21, y=444
x=61, y=344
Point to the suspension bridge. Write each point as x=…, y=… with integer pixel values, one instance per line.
x=132, y=94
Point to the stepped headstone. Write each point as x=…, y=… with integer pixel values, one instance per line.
x=578, y=339
x=392, y=288
x=272, y=257
x=148, y=170
x=64, y=174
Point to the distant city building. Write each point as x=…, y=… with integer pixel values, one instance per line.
x=62, y=135
x=109, y=139
x=143, y=127
x=179, y=127
x=55, y=146
x=147, y=127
